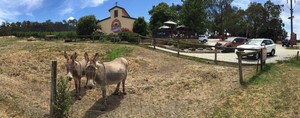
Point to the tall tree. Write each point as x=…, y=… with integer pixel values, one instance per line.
x=194, y=15
x=256, y=19
x=86, y=25
x=140, y=26
x=274, y=27
x=218, y=12
x=159, y=14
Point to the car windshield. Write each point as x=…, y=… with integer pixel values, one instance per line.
x=254, y=42
x=230, y=39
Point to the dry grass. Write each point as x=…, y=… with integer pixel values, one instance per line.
x=158, y=84
x=273, y=93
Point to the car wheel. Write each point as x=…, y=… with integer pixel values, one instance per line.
x=204, y=40
x=229, y=50
x=273, y=52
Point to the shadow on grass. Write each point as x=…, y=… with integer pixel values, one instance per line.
x=82, y=93
x=257, y=79
x=113, y=102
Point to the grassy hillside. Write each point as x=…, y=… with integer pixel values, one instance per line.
x=275, y=92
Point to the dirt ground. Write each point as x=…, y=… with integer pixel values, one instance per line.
x=158, y=84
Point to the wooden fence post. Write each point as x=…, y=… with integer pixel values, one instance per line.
x=240, y=67
x=53, y=87
x=297, y=55
x=261, y=59
x=154, y=42
x=178, y=48
x=216, y=54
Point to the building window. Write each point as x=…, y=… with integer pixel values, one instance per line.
x=116, y=13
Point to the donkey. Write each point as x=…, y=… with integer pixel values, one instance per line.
x=107, y=73
x=75, y=70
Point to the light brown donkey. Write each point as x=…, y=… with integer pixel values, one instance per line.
x=75, y=70
x=107, y=73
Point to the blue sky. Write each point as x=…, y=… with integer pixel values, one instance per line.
x=58, y=10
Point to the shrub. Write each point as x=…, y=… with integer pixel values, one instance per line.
x=63, y=99
x=131, y=37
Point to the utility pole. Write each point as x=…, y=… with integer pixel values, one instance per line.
x=292, y=32
x=291, y=1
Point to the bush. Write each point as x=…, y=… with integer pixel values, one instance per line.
x=63, y=99
x=131, y=37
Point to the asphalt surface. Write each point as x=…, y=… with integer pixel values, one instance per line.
x=281, y=54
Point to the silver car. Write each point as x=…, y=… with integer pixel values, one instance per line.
x=202, y=38
x=259, y=43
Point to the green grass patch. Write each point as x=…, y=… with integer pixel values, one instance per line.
x=1, y=99
x=294, y=47
x=260, y=77
x=117, y=52
x=35, y=46
x=291, y=62
x=7, y=42
x=61, y=48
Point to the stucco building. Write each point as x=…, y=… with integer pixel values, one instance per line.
x=118, y=19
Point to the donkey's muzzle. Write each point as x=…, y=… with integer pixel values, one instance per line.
x=69, y=78
x=90, y=87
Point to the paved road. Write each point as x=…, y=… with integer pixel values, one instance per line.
x=281, y=54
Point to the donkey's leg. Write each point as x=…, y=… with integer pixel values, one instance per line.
x=75, y=82
x=103, y=88
x=86, y=82
x=77, y=86
x=117, y=89
x=123, y=86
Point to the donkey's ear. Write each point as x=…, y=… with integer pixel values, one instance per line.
x=96, y=57
x=86, y=56
x=66, y=55
x=74, y=56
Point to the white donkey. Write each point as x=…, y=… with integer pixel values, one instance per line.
x=107, y=73
x=75, y=70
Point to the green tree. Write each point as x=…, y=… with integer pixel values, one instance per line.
x=274, y=26
x=219, y=11
x=86, y=25
x=176, y=11
x=159, y=14
x=140, y=26
x=193, y=15
x=256, y=19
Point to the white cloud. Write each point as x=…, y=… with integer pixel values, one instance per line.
x=10, y=9
x=243, y=4
x=91, y=3
x=69, y=6
x=70, y=18
x=66, y=11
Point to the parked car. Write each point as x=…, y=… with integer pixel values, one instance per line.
x=285, y=42
x=231, y=42
x=202, y=38
x=259, y=43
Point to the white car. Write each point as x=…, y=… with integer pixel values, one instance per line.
x=202, y=38
x=259, y=43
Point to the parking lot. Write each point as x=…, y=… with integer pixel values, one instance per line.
x=281, y=54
